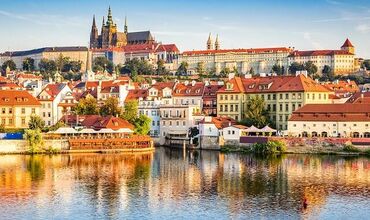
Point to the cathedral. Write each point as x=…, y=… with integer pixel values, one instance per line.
x=109, y=36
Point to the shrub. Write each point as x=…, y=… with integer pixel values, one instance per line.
x=350, y=148
x=271, y=147
x=34, y=139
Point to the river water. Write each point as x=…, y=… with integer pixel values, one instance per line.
x=172, y=184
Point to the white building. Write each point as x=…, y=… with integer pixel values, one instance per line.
x=50, y=97
x=232, y=134
x=330, y=120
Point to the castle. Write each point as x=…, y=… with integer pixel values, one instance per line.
x=109, y=36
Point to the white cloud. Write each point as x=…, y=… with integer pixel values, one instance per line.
x=308, y=36
x=363, y=28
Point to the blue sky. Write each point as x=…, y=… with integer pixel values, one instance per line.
x=314, y=24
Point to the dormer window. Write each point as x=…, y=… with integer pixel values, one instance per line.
x=229, y=86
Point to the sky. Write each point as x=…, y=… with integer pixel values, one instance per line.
x=303, y=24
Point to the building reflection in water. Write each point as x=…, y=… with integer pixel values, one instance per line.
x=177, y=182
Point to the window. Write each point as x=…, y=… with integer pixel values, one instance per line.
x=236, y=108
x=274, y=107
x=23, y=111
x=281, y=96
x=280, y=117
x=221, y=108
x=286, y=107
x=10, y=121
x=231, y=108
x=236, y=97
x=294, y=125
x=3, y=121
x=221, y=97
x=334, y=125
x=231, y=97
x=344, y=125
x=274, y=96
x=33, y=111
x=225, y=97
x=3, y=110
x=157, y=123
x=293, y=107
x=183, y=123
x=177, y=123
x=287, y=96
x=153, y=123
x=268, y=97
x=233, y=132
x=49, y=114
x=164, y=123
x=226, y=108
x=228, y=132
x=10, y=110
x=281, y=107
x=23, y=121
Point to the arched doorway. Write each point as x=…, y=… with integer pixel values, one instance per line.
x=314, y=134
x=324, y=134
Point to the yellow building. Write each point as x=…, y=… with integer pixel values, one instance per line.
x=231, y=99
x=282, y=96
x=16, y=108
x=340, y=61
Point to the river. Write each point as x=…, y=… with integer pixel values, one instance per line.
x=172, y=184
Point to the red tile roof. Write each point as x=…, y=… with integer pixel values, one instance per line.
x=135, y=94
x=306, y=53
x=249, y=51
x=168, y=48
x=17, y=97
x=52, y=90
x=342, y=86
x=28, y=76
x=113, y=123
x=220, y=122
x=347, y=43
x=237, y=86
x=332, y=112
x=189, y=90
x=9, y=85
x=359, y=97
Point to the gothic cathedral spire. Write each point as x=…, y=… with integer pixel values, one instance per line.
x=110, y=18
x=126, y=27
x=94, y=34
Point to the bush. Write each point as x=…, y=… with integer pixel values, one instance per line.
x=350, y=148
x=271, y=147
x=35, y=140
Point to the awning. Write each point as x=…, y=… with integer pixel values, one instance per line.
x=252, y=129
x=267, y=129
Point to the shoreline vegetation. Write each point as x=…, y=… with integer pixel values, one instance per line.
x=279, y=147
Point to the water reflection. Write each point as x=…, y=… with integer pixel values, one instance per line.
x=188, y=184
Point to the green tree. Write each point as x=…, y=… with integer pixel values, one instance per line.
x=28, y=64
x=36, y=122
x=72, y=66
x=142, y=125
x=311, y=68
x=366, y=64
x=161, y=69
x=255, y=113
x=47, y=68
x=111, y=107
x=294, y=67
x=200, y=68
x=251, y=71
x=34, y=139
x=9, y=63
x=183, y=68
x=327, y=74
x=87, y=106
x=102, y=63
x=130, y=111
x=225, y=72
x=279, y=70
x=61, y=61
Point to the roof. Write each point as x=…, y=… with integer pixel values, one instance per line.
x=234, y=85
x=248, y=51
x=52, y=90
x=189, y=89
x=168, y=48
x=299, y=83
x=360, y=97
x=28, y=76
x=135, y=94
x=220, y=122
x=141, y=48
x=332, y=112
x=211, y=90
x=17, y=97
x=306, y=53
x=139, y=36
x=347, y=43
x=98, y=122
x=45, y=49
x=9, y=85
x=341, y=86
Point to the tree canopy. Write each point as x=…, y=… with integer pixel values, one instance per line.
x=142, y=125
x=87, y=106
x=28, y=64
x=366, y=64
x=10, y=63
x=279, y=70
x=111, y=107
x=309, y=66
x=255, y=113
x=47, y=68
x=183, y=69
x=36, y=122
x=139, y=67
x=327, y=74
x=130, y=111
x=141, y=122
x=102, y=63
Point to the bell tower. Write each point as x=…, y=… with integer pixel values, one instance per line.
x=209, y=42
x=94, y=35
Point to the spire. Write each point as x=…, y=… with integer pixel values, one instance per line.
x=209, y=42
x=102, y=25
x=94, y=23
x=126, y=27
x=110, y=19
x=217, y=43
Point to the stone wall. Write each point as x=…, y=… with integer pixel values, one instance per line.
x=209, y=143
x=20, y=146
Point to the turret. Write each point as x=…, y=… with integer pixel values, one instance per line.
x=348, y=46
x=217, y=43
x=94, y=35
x=209, y=42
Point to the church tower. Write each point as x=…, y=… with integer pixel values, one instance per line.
x=348, y=46
x=209, y=42
x=126, y=27
x=217, y=43
x=94, y=43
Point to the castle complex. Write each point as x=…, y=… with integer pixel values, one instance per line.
x=110, y=38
